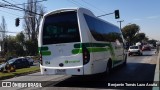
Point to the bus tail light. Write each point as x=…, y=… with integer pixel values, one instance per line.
x=86, y=55
x=41, y=58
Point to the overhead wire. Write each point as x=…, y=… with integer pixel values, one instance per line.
x=14, y=1
x=10, y=13
x=31, y=2
x=93, y=6
x=79, y=4
x=8, y=32
x=21, y=8
x=82, y=5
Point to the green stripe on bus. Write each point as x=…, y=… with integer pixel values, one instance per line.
x=79, y=45
x=46, y=53
x=43, y=48
x=97, y=49
x=79, y=50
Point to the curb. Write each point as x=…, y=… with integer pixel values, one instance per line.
x=156, y=75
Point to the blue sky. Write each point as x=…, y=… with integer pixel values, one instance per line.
x=145, y=13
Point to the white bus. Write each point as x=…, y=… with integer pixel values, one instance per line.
x=74, y=41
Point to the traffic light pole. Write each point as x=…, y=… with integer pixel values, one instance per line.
x=105, y=14
x=120, y=24
x=116, y=12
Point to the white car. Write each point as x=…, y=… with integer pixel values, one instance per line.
x=135, y=50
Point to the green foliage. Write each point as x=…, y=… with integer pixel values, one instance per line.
x=139, y=37
x=31, y=47
x=152, y=42
x=19, y=72
x=20, y=38
x=18, y=46
x=12, y=47
x=130, y=31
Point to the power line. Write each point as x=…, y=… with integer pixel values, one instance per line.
x=12, y=8
x=76, y=3
x=7, y=32
x=14, y=1
x=93, y=6
x=20, y=8
x=10, y=13
x=79, y=4
x=30, y=2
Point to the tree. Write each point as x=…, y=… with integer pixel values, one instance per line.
x=139, y=37
x=31, y=25
x=146, y=39
x=3, y=28
x=31, y=47
x=20, y=38
x=130, y=31
x=153, y=41
x=12, y=47
x=31, y=20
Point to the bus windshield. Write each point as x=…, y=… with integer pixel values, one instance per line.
x=61, y=28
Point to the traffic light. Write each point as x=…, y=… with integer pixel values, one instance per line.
x=17, y=22
x=116, y=14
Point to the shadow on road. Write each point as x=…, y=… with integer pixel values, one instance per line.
x=131, y=73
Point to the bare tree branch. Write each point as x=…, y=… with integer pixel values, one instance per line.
x=32, y=21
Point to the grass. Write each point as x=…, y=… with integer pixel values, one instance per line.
x=19, y=72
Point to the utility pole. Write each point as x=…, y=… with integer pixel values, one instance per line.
x=120, y=23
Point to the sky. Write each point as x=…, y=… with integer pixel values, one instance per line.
x=145, y=13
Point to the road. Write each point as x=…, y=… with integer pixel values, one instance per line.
x=138, y=69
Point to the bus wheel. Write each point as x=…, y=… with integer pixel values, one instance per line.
x=125, y=60
x=109, y=66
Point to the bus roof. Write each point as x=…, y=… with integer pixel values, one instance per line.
x=83, y=10
x=70, y=9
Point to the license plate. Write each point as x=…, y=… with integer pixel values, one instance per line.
x=60, y=71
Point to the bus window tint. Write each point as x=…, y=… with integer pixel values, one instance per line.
x=102, y=31
x=61, y=28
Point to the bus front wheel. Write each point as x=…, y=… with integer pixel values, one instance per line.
x=109, y=66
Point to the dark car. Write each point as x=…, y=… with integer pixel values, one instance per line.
x=31, y=61
x=17, y=63
x=2, y=66
x=146, y=48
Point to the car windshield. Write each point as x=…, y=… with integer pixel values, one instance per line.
x=11, y=61
x=134, y=47
x=2, y=65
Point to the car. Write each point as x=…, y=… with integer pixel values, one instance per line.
x=135, y=50
x=2, y=67
x=30, y=60
x=146, y=48
x=19, y=62
x=16, y=63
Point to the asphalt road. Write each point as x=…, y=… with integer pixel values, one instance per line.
x=138, y=69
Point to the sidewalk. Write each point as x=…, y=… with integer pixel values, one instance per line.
x=157, y=73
